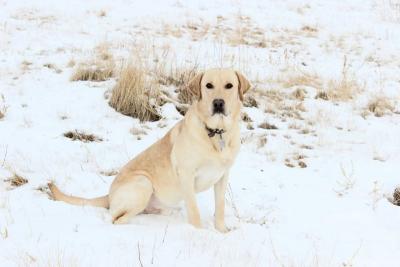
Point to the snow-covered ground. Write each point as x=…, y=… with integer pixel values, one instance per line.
x=312, y=192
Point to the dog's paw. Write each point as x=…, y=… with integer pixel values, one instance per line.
x=222, y=228
x=196, y=223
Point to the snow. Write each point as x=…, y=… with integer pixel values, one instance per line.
x=333, y=212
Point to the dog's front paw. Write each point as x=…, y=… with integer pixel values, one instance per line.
x=196, y=224
x=222, y=228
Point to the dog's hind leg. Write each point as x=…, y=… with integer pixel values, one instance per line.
x=130, y=198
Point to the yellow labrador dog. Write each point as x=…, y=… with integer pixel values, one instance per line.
x=194, y=155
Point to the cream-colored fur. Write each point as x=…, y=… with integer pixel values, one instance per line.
x=185, y=161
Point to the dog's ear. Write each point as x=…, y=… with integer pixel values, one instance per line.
x=244, y=84
x=194, y=85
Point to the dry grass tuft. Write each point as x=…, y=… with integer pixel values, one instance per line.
x=244, y=31
x=109, y=172
x=302, y=164
x=53, y=67
x=266, y=125
x=137, y=131
x=135, y=94
x=299, y=94
x=102, y=13
x=344, y=89
x=98, y=69
x=250, y=101
x=26, y=65
x=396, y=196
x=76, y=135
x=246, y=117
x=249, y=126
x=322, y=95
x=289, y=164
x=309, y=29
x=3, y=107
x=71, y=63
x=180, y=78
x=262, y=141
x=16, y=181
x=380, y=106
x=300, y=79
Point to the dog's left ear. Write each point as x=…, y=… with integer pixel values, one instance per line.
x=194, y=85
x=244, y=84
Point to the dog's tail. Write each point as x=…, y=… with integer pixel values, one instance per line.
x=79, y=201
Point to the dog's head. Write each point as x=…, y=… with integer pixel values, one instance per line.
x=220, y=95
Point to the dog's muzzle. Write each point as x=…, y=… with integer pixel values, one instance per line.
x=218, y=106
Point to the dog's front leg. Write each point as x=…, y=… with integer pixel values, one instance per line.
x=219, y=195
x=189, y=197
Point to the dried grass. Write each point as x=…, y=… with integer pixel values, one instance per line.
x=16, y=181
x=102, y=13
x=267, y=126
x=380, y=106
x=396, y=197
x=322, y=95
x=246, y=117
x=302, y=164
x=109, y=172
x=344, y=89
x=53, y=67
x=136, y=94
x=244, y=31
x=81, y=136
x=71, y=63
x=96, y=71
x=3, y=107
x=100, y=68
x=299, y=94
x=309, y=29
x=137, y=131
x=299, y=78
x=180, y=78
x=262, y=141
x=250, y=101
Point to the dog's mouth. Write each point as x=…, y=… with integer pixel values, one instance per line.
x=222, y=113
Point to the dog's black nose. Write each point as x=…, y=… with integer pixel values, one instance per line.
x=218, y=105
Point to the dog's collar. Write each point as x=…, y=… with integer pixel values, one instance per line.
x=212, y=132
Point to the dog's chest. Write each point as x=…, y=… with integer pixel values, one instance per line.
x=207, y=175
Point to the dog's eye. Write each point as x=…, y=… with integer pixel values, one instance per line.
x=209, y=86
x=228, y=86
